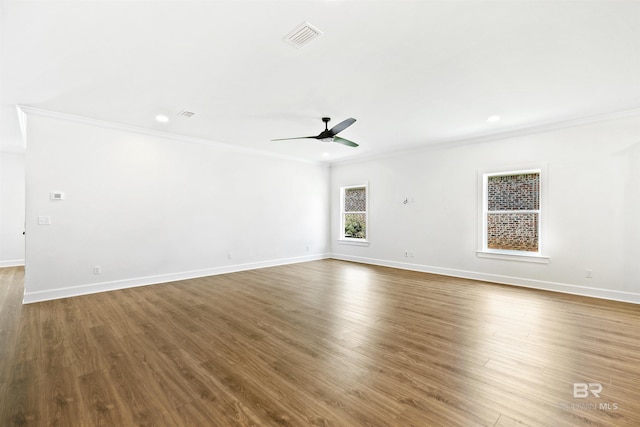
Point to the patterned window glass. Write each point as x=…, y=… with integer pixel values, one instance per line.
x=354, y=214
x=513, y=212
x=355, y=199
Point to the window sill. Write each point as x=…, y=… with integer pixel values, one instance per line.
x=353, y=242
x=514, y=256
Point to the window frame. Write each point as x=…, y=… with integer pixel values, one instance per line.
x=513, y=255
x=352, y=240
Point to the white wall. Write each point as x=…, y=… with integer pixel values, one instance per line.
x=11, y=209
x=593, y=219
x=148, y=209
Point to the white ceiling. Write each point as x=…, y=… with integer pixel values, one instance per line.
x=411, y=72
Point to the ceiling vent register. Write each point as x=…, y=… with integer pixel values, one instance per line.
x=302, y=35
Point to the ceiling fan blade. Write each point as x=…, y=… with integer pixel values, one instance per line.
x=344, y=142
x=341, y=126
x=297, y=137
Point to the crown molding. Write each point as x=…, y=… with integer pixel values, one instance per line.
x=24, y=111
x=496, y=136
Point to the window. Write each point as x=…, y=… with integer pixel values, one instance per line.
x=353, y=213
x=512, y=214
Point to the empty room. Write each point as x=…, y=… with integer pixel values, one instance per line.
x=328, y=213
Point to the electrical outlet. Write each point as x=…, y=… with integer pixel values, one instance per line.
x=97, y=270
x=229, y=255
x=588, y=273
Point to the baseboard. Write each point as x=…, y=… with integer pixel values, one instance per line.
x=93, y=288
x=608, y=294
x=12, y=263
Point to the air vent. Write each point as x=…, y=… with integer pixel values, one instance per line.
x=185, y=113
x=302, y=35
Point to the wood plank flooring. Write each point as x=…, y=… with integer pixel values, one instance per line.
x=324, y=343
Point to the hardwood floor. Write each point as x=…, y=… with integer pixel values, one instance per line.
x=325, y=343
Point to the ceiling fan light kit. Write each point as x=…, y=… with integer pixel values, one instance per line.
x=329, y=135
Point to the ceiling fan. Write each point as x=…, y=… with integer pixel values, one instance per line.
x=329, y=135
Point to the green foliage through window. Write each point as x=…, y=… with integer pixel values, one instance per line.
x=355, y=226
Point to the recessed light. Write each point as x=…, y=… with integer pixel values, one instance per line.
x=161, y=118
x=325, y=154
x=493, y=119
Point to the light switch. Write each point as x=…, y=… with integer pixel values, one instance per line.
x=44, y=220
